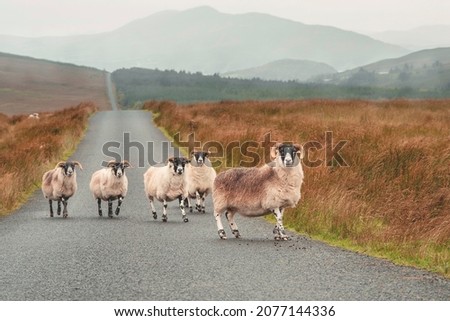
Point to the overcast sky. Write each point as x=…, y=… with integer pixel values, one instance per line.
x=70, y=17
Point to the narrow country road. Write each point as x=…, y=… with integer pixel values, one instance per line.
x=133, y=257
x=111, y=92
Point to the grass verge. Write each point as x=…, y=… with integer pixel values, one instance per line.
x=29, y=147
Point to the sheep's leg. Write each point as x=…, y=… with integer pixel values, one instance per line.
x=99, y=204
x=279, y=228
x=233, y=225
x=153, y=207
x=183, y=212
x=110, y=212
x=51, y=208
x=119, y=203
x=203, y=196
x=164, y=216
x=220, y=229
x=189, y=204
x=64, y=201
x=198, y=206
x=58, y=211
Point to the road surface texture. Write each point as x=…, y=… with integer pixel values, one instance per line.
x=134, y=257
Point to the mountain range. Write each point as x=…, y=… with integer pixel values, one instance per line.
x=424, y=70
x=203, y=39
x=285, y=69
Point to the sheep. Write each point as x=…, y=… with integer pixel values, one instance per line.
x=259, y=191
x=167, y=183
x=200, y=177
x=109, y=184
x=59, y=184
x=34, y=116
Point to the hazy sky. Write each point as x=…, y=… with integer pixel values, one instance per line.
x=69, y=17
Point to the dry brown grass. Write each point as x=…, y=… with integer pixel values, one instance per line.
x=29, y=147
x=394, y=197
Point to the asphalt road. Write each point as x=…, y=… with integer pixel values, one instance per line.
x=134, y=257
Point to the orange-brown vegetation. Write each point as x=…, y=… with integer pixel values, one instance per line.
x=29, y=147
x=393, y=198
x=30, y=85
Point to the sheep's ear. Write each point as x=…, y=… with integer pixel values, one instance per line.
x=111, y=163
x=127, y=164
x=170, y=160
x=192, y=153
x=300, y=150
x=60, y=164
x=78, y=164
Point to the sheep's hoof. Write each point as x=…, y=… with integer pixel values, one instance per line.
x=100, y=214
x=155, y=216
x=236, y=233
x=222, y=234
x=281, y=238
x=65, y=215
x=164, y=219
x=51, y=214
x=203, y=211
x=117, y=212
x=185, y=220
x=110, y=215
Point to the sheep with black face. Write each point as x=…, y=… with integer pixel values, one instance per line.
x=259, y=191
x=200, y=177
x=110, y=184
x=59, y=184
x=167, y=183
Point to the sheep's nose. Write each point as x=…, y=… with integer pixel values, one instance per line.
x=180, y=171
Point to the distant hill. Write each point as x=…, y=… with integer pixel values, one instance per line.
x=424, y=37
x=203, y=39
x=425, y=70
x=29, y=85
x=283, y=70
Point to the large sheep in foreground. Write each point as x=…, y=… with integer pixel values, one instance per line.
x=109, y=184
x=59, y=184
x=200, y=177
x=167, y=183
x=259, y=191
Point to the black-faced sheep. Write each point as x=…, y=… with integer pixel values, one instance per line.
x=167, y=183
x=259, y=191
x=200, y=177
x=109, y=184
x=59, y=184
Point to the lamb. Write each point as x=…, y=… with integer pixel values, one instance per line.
x=259, y=191
x=167, y=183
x=200, y=177
x=109, y=184
x=59, y=184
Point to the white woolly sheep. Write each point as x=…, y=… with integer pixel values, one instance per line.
x=200, y=177
x=167, y=183
x=259, y=191
x=109, y=184
x=59, y=184
x=34, y=115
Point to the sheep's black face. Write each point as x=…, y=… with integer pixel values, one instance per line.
x=179, y=164
x=288, y=154
x=68, y=168
x=200, y=157
x=118, y=169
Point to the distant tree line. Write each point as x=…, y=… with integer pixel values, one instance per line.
x=137, y=85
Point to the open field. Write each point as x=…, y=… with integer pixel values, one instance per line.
x=29, y=147
x=389, y=194
x=29, y=85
